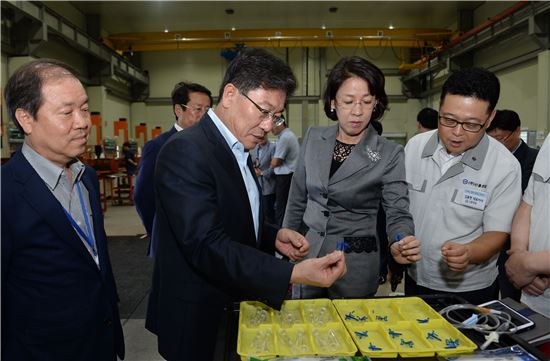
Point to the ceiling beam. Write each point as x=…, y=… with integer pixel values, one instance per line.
x=279, y=38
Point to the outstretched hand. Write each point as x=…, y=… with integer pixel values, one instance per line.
x=406, y=251
x=291, y=244
x=320, y=272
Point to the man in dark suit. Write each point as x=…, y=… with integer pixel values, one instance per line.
x=506, y=128
x=190, y=101
x=213, y=246
x=59, y=299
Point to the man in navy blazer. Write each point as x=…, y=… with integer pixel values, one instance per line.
x=213, y=246
x=59, y=299
x=190, y=101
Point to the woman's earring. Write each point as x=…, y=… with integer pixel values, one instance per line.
x=332, y=111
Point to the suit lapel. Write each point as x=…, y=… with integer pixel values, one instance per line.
x=364, y=155
x=251, y=168
x=97, y=216
x=323, y=156
x=225, y=156
x=48, y=207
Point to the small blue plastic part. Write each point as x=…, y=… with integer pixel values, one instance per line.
x=374, y=348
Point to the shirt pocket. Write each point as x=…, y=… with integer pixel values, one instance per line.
x=417, y=185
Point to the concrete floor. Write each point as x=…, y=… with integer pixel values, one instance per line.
x=141, y=345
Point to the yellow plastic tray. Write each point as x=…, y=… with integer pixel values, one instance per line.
x=295, y=341
x=410, y=341
x=310, y=328
x=258, y=342
x=381, y=310
x=352, y=312
x=333, y=340
x=301, y=328
x=252, y=314
x=410, y=316
x=317, y=311
x=372, y=340
x=445, y=331
x=415, y=309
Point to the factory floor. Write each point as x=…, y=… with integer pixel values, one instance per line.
x=133, y=270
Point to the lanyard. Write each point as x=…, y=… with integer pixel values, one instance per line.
x=88, y=236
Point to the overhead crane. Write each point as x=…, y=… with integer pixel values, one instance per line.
x=279, y=38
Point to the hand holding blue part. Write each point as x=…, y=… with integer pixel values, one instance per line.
x=342, y=246
x=405, y=249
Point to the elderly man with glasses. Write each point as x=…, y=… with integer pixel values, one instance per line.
x=190, y=101
x=464, y=188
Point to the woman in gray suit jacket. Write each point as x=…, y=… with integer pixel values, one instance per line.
x=344, y=173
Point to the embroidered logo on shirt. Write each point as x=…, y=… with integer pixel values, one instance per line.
x=373, y=155
x=473, y=184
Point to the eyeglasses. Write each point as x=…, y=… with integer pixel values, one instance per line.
x=469, y=127
x=266, y=114
x=196, y=109
x=499, y=134
x=349, y=104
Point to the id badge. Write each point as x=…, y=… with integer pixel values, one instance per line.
x=473, y=198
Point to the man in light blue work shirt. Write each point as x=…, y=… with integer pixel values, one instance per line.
x=464, y=187
x=284, y=163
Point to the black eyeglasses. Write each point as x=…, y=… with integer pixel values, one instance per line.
x=467, y=126
x=266, y=114
x=497, y=134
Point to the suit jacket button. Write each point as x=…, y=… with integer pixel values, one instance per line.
x=322, y=234
x=324, y=195
x=326, y=213
x=108, y=322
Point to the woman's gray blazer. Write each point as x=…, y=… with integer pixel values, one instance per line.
x=345, y=206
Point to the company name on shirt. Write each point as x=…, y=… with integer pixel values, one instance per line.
x=474, y=184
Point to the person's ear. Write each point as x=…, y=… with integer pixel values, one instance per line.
x=178, y=110
x=230, y=94
x=490, y=120
x=25, y=120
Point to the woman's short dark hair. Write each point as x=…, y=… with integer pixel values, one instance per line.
x=24, y=87
x=361, y=68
